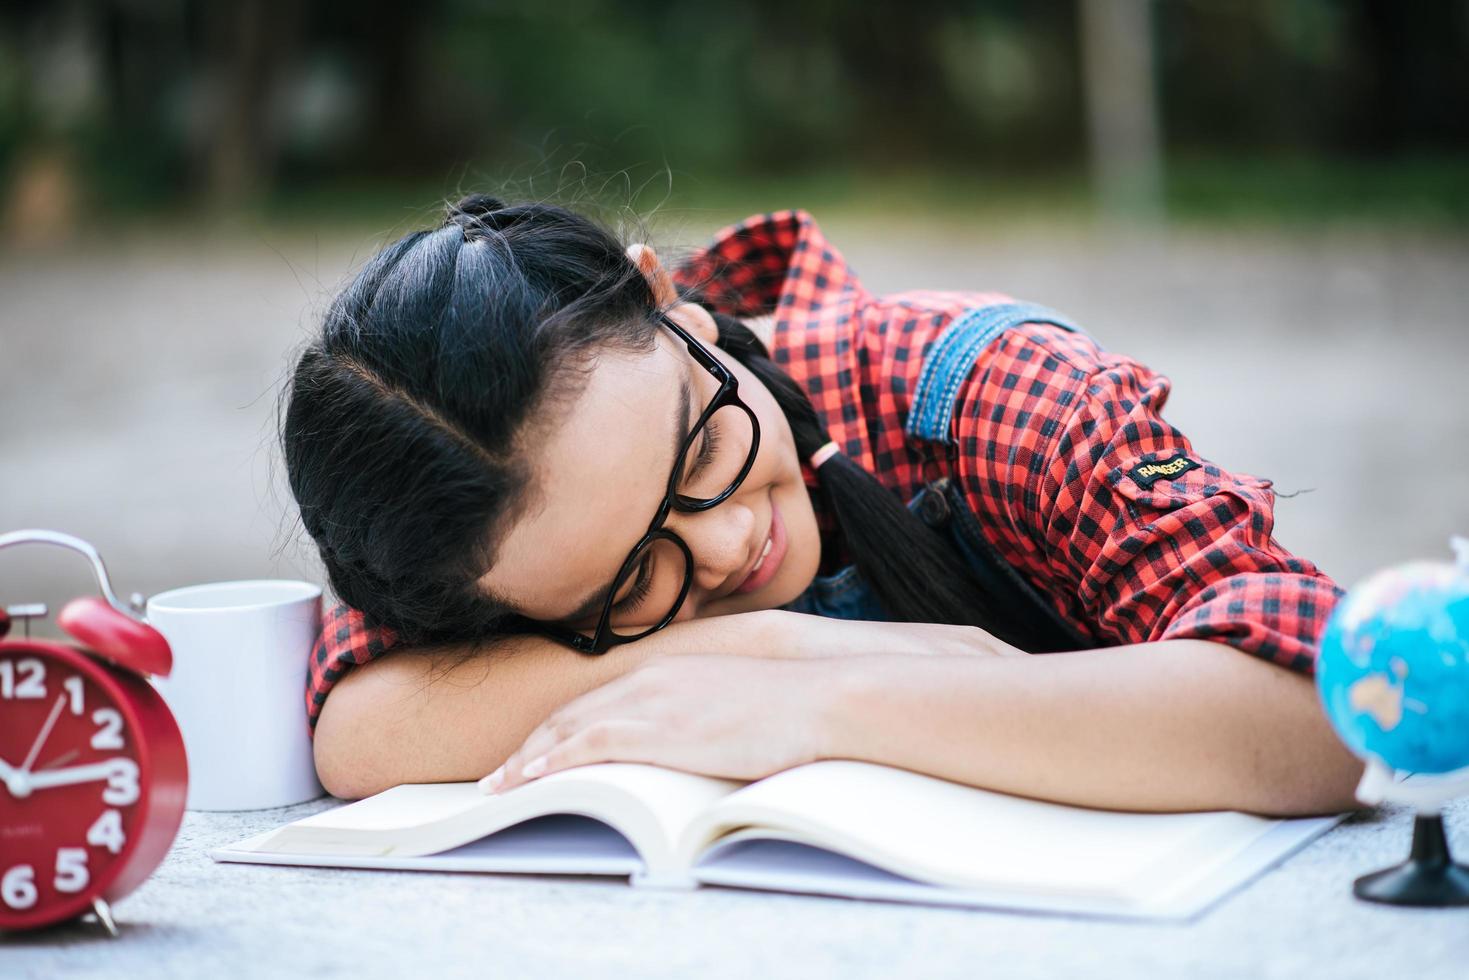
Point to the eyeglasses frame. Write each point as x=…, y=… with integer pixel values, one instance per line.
x=728, y=395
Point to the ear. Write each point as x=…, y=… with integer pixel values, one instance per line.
x=690, y=316
x=647, y=262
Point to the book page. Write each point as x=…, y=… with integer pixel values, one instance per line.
x=648, y=805
x=668, y=799
x=556, y=844
x=746, y=860
x=401, y=809
x=944, y=833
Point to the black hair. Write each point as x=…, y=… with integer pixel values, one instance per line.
x=408, y=415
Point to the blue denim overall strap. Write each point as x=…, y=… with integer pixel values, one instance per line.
x=942, y=505
x=845, y=594
x=949, y=361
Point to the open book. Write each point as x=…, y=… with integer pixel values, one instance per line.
x=833, y=827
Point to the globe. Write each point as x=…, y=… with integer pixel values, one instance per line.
x=1393, y=667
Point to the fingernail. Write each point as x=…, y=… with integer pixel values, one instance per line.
x=492, y=782
x=534, y=767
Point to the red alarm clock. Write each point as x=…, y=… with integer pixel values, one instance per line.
x=92, y=767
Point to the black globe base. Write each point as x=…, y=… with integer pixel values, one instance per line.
x=1429, y=877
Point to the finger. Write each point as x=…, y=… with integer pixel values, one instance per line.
x=604, y=741
x=614, y=699
x=581, y=712
x=618, y=698
x=555, y=728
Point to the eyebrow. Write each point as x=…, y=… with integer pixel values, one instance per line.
x=681, y=426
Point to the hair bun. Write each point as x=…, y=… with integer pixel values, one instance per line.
x=474, y=211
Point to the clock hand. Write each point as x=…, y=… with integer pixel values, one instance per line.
x=45, y=730
x=60, y=760
x=47, y=778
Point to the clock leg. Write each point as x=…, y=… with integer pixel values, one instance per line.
x=104, y=916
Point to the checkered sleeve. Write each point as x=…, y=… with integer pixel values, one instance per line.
x=1148, y=538
x=345, y=641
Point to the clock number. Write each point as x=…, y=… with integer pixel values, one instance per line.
x=122, y=783
x=107, y=832
x=109, y=730
x=73, y=687
x=31, y=682
x=18, y=887
x=71, y=869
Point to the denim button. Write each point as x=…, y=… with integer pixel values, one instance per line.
x=934, y=507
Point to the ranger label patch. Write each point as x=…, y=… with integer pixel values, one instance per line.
x=1147, y=474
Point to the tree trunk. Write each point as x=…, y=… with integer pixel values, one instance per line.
x=1121, y=108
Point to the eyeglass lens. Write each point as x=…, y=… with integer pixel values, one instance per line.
x=716, y=454
x=654, y=581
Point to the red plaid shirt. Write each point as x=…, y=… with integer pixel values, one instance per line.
x=1051, y=429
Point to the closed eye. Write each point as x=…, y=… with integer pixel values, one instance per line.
x=707, y=450
x=640, y=589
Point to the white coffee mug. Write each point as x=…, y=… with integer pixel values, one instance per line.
x=238, y=687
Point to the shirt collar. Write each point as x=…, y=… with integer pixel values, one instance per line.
x=782, y=263
x=778, y=263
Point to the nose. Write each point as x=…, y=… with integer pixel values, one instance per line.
x=719, y=539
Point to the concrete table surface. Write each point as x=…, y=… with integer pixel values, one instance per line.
x=195, y=918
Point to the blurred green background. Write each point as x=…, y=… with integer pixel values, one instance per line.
x=1274, y=110
x=1265, y=200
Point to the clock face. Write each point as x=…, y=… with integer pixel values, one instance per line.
x=72, y=783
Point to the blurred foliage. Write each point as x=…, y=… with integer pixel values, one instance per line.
x=1276, y=105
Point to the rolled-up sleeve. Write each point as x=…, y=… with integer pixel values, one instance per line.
x=345, y=641
x=1139, y=536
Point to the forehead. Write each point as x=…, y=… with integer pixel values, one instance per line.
x=600, y=470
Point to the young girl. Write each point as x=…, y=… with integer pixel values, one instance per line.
x=744, y=515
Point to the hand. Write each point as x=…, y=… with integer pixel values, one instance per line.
x=716, y=714
x=41, y=736
x=91, y=772
x=790, y=634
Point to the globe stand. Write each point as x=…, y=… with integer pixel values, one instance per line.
x=1429, y=877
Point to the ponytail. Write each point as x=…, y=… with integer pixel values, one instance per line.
x=917, y=574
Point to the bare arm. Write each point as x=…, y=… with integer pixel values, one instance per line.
x=435, y=715
x=1169, y=725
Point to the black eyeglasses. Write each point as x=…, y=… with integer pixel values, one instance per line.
x=712, y=462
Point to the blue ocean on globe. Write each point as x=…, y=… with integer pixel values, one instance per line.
x=1393, y=669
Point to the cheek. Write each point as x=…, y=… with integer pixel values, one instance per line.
x=803, y=544
x=790, y=494
x=779, y=468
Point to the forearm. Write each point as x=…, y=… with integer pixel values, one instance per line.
x=1173, y=725
x=437, y=715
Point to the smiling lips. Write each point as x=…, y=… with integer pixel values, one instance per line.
x=770, y=558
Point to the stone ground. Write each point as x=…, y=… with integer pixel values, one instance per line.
x=138, y=381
